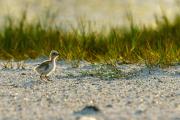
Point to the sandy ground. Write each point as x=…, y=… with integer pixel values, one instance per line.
x=139, y=93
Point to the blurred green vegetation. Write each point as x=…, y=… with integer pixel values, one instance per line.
x=153, y=46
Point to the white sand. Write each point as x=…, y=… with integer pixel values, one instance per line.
x=142, y=93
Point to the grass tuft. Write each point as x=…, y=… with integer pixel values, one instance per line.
x=152, y=46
